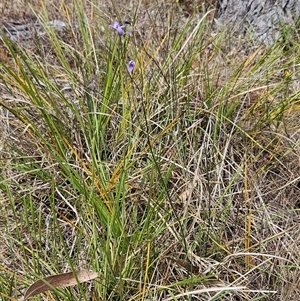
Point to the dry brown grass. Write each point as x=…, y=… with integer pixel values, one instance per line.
x=237, y=196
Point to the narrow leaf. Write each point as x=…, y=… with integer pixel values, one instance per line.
x=59, y=280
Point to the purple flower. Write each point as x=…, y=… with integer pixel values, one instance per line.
x=119, y=28
x=131, y=66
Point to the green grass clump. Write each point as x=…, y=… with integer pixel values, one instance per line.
x=178, y=180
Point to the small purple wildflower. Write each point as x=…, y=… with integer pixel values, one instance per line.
x=131, y=66
x=118, y=27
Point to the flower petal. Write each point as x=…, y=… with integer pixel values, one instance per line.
x=116, y=25
x=131, y=66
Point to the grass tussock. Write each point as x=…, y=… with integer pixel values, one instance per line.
x=178, y=181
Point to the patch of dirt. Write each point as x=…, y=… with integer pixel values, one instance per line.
x=24, y=10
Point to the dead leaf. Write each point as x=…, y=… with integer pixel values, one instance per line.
x=188, y=266
x=187, y=193
x=59, y=280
